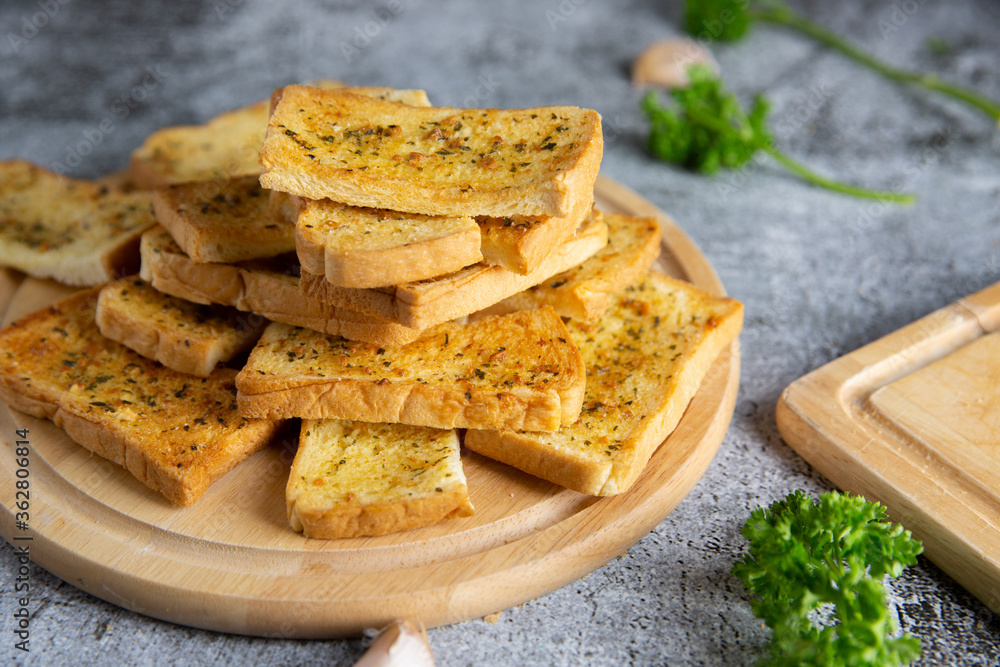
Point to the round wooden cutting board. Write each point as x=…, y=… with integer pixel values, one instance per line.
x=231, y=563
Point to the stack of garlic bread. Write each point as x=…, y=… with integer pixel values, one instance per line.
x=409, y=278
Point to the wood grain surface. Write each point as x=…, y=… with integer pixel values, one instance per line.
x=913, y=421
x=231, y=563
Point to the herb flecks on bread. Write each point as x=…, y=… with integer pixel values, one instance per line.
x=425, y=303
x=438, y=160
x=265, y=287
x=350, y=479
x=585, y=292
x=223, y=222
x=224, y=147
x=517, y=371
x=365, y=247
x=185, y=336
x=76, y=232
x=645, y=360
x=176, y=433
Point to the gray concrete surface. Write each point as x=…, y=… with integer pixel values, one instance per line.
x=820, y=274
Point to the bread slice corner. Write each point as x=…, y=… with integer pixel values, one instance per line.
x=76, y=232
x=174, y=432
x=352, y=479
x=517, y=371
x=339, y=145
x=182, y=335
x=645, y=360
x=364, y=247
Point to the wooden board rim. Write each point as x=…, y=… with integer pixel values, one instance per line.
x=235, y=588
x=827, y=417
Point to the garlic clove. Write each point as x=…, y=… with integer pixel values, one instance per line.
x=664, y=63
x=400, y=645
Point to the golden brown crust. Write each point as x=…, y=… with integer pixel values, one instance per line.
x=519, y=370
x=175, y=432
x=268, y=288
x=585, y=292
x=352, y=479
x=224, y=222
x=423, y=304
x=222, y=148
x=522, y=243
x=645, y=360
x=225, y=146
x=182, y=335
x=362, y=247
x=437, y=160
x=76, y=232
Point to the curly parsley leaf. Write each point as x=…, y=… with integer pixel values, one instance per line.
x=707, y=129
x=808, y=558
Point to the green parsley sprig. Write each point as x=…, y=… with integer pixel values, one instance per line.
x=806, y=558
x=708, y=129
x=729, y=20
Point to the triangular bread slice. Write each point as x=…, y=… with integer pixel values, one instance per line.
x=182, y=335
x=228, y=221
x=366, y=247
x=334, y=144
x=520, y=371
x=73, y=231
x=645, y=360
x=176, y=433
x=268, y=288
x=584, y=292
x=225, y=146
x=429, y=302
x=351, y=479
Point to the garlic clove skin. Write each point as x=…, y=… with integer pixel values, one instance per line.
x=400, y=645
x=664, y=63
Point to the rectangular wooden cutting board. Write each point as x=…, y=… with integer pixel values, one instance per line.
x=913, y=421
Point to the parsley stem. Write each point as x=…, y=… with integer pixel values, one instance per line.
x=782, y=15
x=799, y=169
x=810, y=176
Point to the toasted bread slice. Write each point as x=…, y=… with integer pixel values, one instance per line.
x=521, y=243
x=76, y=232
x=362, y=151
x=351, y=479
x=285, y=206
x=520, y=370
x=174, y=432
x=224, y=147
x=187, y=337
x=645, y=360
x=425, y=303
x=268, y=288
x=366, y=247
x=223, y=222
x=584, y=292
